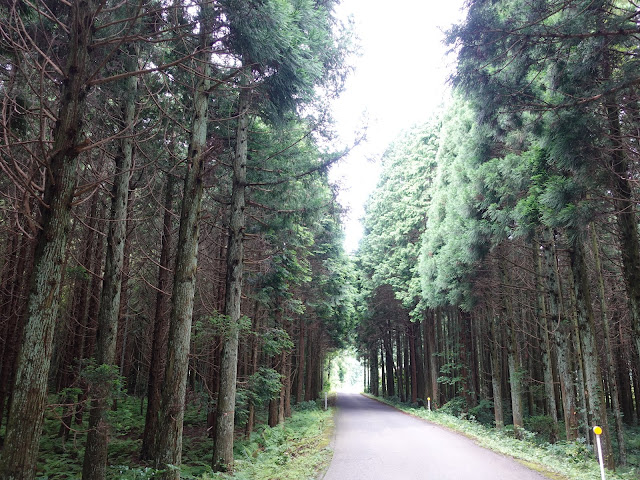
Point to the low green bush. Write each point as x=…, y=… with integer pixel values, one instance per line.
x=543, y=426
x=483, y=412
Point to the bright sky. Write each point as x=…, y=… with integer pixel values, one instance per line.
x=399, y=80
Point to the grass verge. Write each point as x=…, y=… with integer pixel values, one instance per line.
x=297, y=450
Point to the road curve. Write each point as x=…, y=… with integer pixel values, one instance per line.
x=376, y=442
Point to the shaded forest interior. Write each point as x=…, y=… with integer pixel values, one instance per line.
x=167, y=230
x=171, y=263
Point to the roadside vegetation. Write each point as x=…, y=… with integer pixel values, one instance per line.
x=297, y=449
x=562, y=460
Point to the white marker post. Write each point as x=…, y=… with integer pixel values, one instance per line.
x=598, y=431
x=325, y=400
x=429, y=403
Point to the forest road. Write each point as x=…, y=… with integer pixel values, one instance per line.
x=376, y=442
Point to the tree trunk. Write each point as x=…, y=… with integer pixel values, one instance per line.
x=513, y=360
x=515, y=380
x=496, y=372
x=300, y=364
x=365, y=374
x=18, y=459
x=254, y=369
x=223, y=443
x=95, y=457
x=274, y=403
x=464, y=333
x=433, y=359
x=636, y=391
x=169, y=439
x=286, y=410
x=91, y=321
x=545, y=346
x=591, y=360
x=580, y=375
x=160, y=329
x=310, y=367
x=413, y=363
x=611, y=368
x=400, y=374
x=421, y=386
x=124, y=357
x=388, y=355
x=374, y=381
x=479, y=342
x=79, y=314
x=382, y=369
x=562, y=336
x=626, y=394
x=406, y=366
x=625, y=204
x=14, y=316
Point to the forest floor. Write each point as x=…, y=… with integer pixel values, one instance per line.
x=296, y=450
x=561, y=460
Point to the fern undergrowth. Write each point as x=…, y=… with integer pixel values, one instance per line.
x=297, y=449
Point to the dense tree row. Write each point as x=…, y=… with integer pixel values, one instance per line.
x=166, y=225
x=499, y=271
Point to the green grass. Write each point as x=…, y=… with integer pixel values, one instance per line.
x=559, y=461
x=298, y=449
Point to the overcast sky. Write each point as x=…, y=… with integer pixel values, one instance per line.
x=399, y=80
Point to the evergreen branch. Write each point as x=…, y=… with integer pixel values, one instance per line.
x=322, y=166
x=566, y=36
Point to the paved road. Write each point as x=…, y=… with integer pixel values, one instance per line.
x=376, y=442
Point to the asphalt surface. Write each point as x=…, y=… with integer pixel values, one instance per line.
x=375, y=442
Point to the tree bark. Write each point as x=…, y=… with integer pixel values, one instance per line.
x=160, y=329
x=465, y=357
x=515, y=380
x=223, y=444
x=95, y=457
x=413, y=363
x=611, y=368
x=430, y=331
x=400, y=374
x=14, y=316
x=374, y=381
x=286, y=409
x=513, y=360
x=496, y=372
x=561, y=334
x=254, y=369
x=545, y=345
x=421, y=384
x=382, y=368
x=625, y=204
x=479, y=339
x=310, y=367
x=626, y=394
x=168, y=442
x=591, y=360
x=24, y=426
x=79, y=314
x=388, y=355
x=300, y=363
